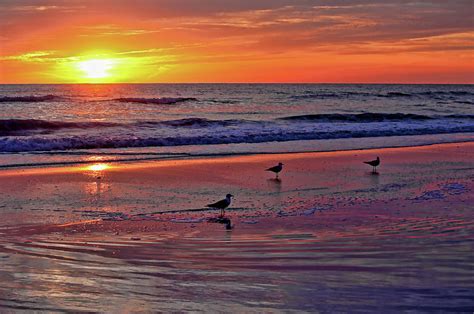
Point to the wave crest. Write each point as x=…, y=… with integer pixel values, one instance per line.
x=393, y=94
x=361, y=117
x=156, y=101
x=20, y=126
x=191, y=122
x=30, y=98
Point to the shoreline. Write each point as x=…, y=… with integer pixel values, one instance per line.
x=185, y=156
x=207, y=157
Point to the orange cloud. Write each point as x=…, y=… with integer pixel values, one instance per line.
x=240, y=41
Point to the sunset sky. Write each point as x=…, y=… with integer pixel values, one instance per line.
x=362, y=41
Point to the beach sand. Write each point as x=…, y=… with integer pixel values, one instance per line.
x=327, y=236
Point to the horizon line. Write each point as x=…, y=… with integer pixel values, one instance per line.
x=240, y=83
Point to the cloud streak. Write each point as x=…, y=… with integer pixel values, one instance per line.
x=227, y=32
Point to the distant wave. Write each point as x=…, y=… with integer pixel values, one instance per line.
x=157, y=101
x=29, y=98
x=341, y=94
x=362, y=117
x=316, y=96
x=393, y=94
x=17, y=126
x=454, y=93
x=191, y=122
x=223, y=101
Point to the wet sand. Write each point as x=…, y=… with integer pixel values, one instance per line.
x=328, y=236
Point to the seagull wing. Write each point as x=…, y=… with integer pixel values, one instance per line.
x=274, y=169
x=219, y=204
x=372, y=162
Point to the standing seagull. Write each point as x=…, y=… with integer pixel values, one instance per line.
x=374, y=164
x=222, y=204
x=276, y=169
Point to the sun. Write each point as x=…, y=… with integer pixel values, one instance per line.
x=96, y=68
x=100, y=67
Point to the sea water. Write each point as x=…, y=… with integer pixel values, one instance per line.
x=54, y=124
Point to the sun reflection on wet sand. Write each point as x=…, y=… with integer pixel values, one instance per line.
x=98, y=187
x=98, y=167
x=96, y=170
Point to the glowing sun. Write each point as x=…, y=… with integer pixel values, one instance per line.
x=96, y=68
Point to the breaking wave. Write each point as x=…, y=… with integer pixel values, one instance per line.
x=199, y=131
x=25, y=144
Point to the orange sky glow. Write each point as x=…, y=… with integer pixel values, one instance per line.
x=140, y=41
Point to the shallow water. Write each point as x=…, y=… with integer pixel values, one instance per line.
x=410, y=266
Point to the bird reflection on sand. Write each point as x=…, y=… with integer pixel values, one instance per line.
x=275, y=184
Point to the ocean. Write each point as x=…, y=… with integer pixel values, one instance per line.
x=60, y=124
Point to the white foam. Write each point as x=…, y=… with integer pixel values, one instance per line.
x=200, y=133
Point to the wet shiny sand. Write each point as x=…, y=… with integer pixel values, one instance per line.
x=328, y=237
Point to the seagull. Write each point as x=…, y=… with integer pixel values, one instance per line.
x=276, y=168
x=374, y=164
x=222, y=204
